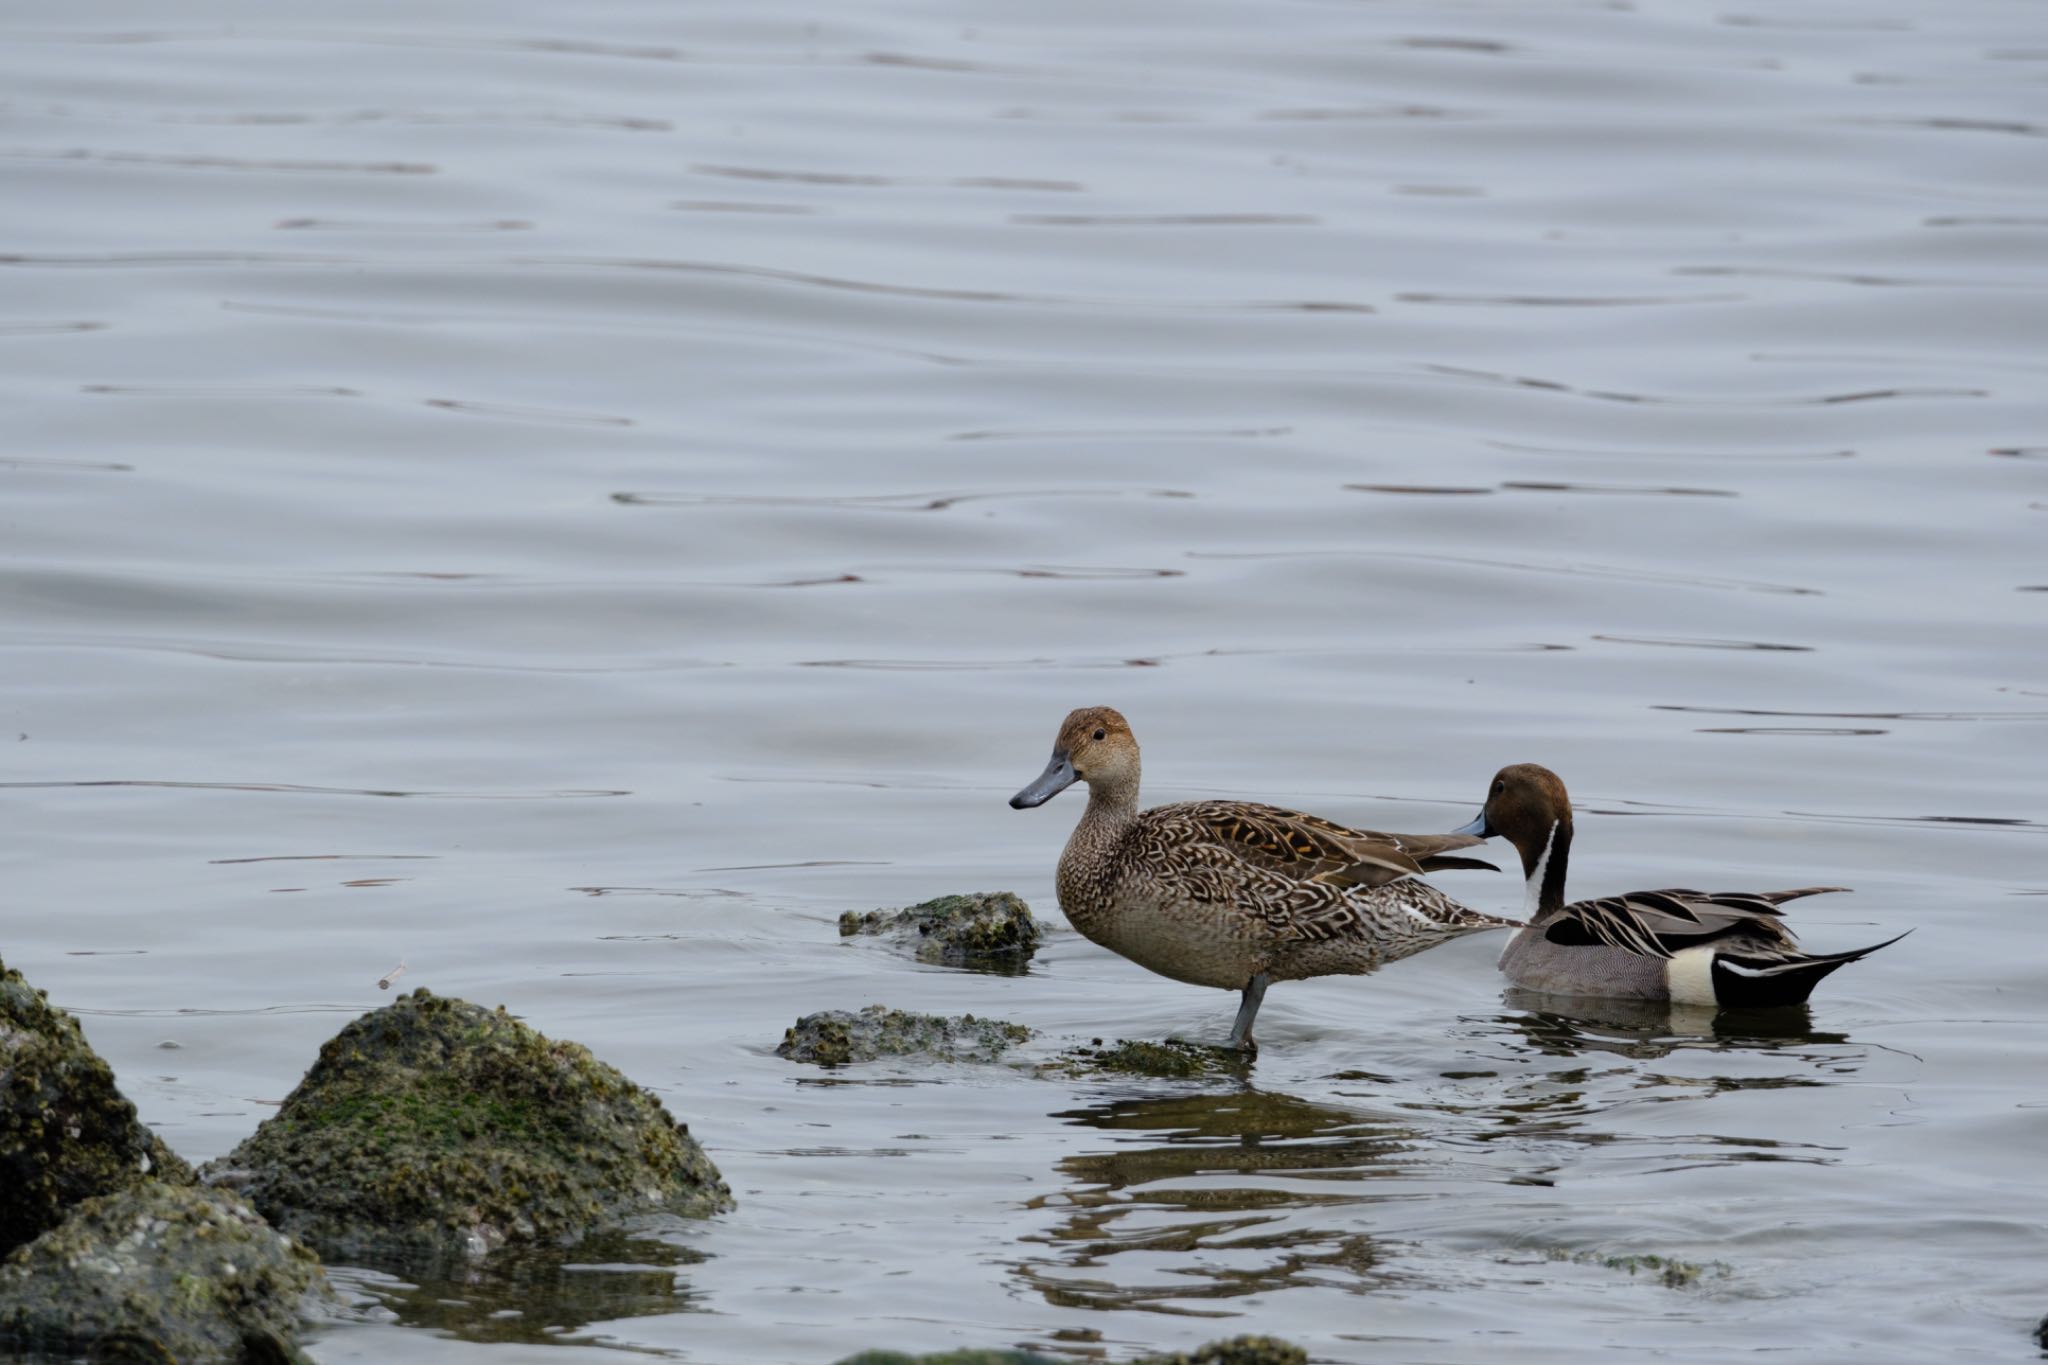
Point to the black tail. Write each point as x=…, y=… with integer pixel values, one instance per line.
x=1746, y=983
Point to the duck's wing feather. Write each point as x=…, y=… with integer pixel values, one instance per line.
x=1664, y=923
x=1310, y=848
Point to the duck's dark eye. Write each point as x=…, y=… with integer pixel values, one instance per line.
x=1102, y=734
x=1499, y=787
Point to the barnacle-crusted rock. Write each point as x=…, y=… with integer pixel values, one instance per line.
x=1171, y=1057
x=989, y=930
x=160, y=1273
x=66, y=1132
x=835, y=1037
x=1235, y=1351
x=434, y=1128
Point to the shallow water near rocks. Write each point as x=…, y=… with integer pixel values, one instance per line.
x=571, y=500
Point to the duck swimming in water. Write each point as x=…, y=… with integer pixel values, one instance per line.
x=1729, y=949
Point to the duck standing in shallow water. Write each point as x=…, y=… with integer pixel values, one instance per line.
x=1723, y=948
x=1235, y=894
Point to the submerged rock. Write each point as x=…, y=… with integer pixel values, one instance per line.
x=160, y=1273
x=66, y=1132
x=1171, y=1057
x=1235, y=1351
x=989, y=930
x=434, y=1128
x=952, y=1358
x=835, y=1037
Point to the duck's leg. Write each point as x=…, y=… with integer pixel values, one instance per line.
x=1241, y=1031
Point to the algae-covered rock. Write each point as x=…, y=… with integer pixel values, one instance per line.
x=952, y=1358
x=66, y=1132
x=160, y=1273
x=1668, y=1271
x=434, y=1128
x=989, y=930
x=1235, y=1351
x=1171, y=1057
x=835, y=1037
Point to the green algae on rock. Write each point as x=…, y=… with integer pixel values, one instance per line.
x=1170, y=1058
x=435, y=1129
x=1235, y=1351
x=66, y=1131
x=836, y=1037
x=1668, y=1271
x=951, y=1358
x=988, y=930
x=160, y=1272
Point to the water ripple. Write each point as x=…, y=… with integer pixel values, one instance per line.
x=296, y=788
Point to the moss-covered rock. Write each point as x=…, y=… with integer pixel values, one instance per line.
x=988, y=930
x=434, y=1128
x=160, y=1273
x=952, y=1358
x=1668, y=1271
x=1171, y=1057
x=1235, y=1351
x=835, y=1037
x=66, y=1132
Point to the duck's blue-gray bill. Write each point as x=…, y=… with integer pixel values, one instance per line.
x=1057, y=777
x=1478, y=827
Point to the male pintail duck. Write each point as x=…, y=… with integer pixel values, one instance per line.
x=1727, y=949
x=1235, y=894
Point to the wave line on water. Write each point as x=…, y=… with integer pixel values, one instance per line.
x=302, y=789
x=880, y=502
x=1582, y=570
x=1855, y=715
x=1521, y=381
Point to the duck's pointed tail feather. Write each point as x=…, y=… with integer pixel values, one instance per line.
x=1437, y=862
x=1765, y=982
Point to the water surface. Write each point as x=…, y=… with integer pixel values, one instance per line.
x=572, y=499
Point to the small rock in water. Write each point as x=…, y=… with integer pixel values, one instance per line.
x=836, y=1037
x=1235, y=1351
x=988, y=930
x=1171, y=1057
x=160, y=1272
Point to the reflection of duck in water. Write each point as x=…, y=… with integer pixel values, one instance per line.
x=1236, y=894
x=1718, y=949
x=1237, y=1194
x=1653, y=1028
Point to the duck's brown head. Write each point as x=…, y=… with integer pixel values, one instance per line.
x=1095, y=746
x=1524, y=804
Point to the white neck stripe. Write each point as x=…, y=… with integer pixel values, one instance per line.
x=1535, y=891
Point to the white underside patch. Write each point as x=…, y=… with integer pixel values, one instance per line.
x=1691, y=976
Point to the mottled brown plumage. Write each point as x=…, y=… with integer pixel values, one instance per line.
x=1235, y=894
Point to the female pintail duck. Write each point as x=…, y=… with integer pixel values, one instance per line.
x=1727, y=949
x=1234, y=894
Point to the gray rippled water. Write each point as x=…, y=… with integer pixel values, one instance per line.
x=571, y=498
